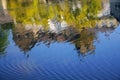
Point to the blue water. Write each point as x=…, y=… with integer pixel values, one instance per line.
x=60, y=60
x=61, y=51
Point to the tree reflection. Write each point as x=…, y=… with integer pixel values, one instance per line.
x=23, y=38
x=81, y=13
x=3, y=39
x=53, y=20
x=85, y=42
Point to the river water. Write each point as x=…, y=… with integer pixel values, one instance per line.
x=64, y=40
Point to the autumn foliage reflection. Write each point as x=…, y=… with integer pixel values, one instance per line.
x=62, y=21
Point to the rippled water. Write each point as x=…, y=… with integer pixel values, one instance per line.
x=60, y=60
x=60, y=51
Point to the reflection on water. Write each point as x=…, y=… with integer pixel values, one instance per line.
x=3, y=40
x=75, y=13
x=51, y=21
x=115, y=9
x=48, y=39
x=26, y=38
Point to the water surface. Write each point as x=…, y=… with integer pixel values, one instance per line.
x=64, y=40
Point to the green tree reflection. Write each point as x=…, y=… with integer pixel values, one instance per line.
x=4, y=33
x=3, y=40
